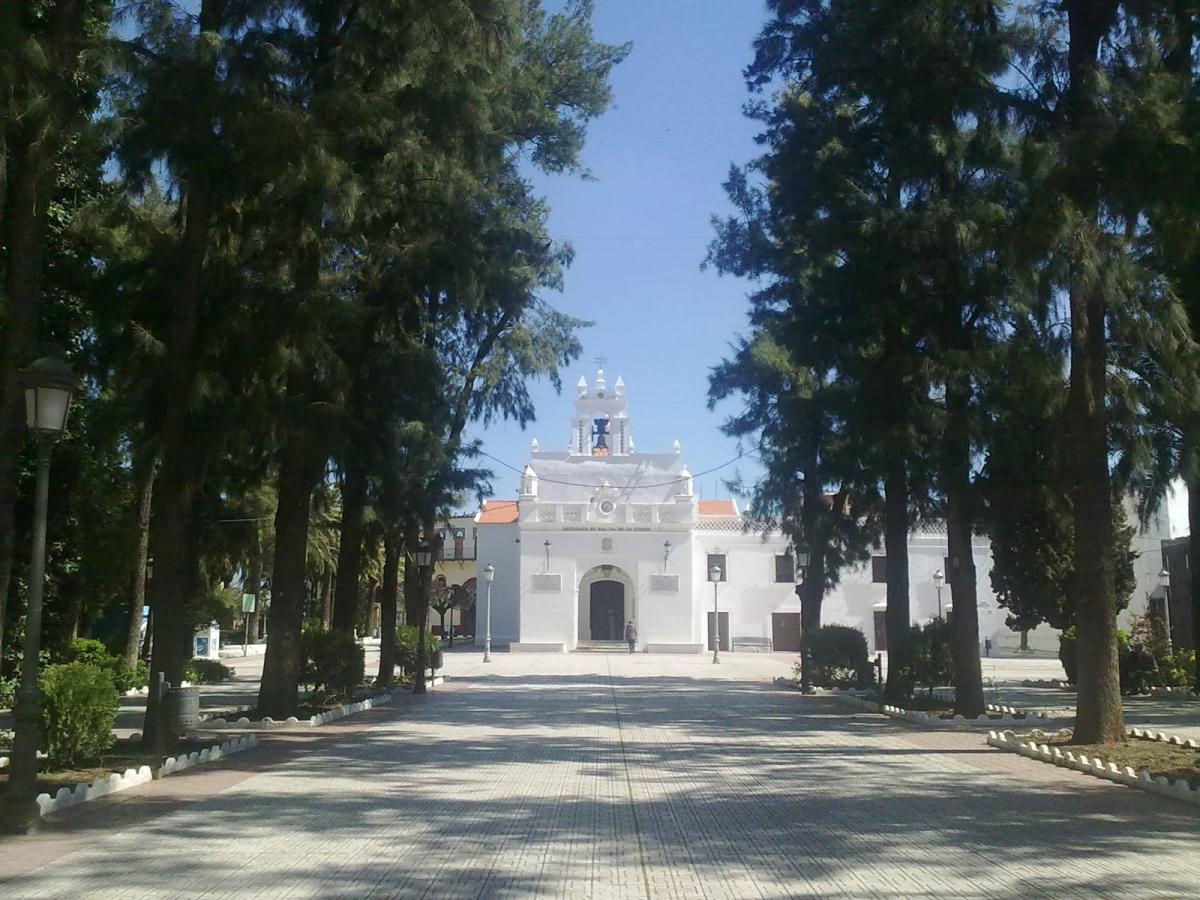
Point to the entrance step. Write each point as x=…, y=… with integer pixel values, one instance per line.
x=602, y=647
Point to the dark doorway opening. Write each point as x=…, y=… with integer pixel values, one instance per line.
x=607, y=611
x=785, y=632
x=724, y=620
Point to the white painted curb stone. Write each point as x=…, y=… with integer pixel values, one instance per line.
x=1179, y=790
x=102, y=787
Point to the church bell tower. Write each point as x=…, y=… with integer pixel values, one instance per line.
x=600, y=425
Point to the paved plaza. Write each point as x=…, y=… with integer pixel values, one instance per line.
x=598, y=775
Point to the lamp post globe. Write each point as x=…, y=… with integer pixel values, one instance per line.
x=489, y=575
x=49, y=386
x=714, y=575
x=939, y=580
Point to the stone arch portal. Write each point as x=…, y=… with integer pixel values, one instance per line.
x=606, y=603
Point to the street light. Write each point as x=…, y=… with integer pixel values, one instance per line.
x=714, y=575
x=547, y=546
x=939, y=579
x=424, y=557
x=1164, y=582
x=802, y=560
x=489, y=575
x=49, y=386
x=666, y=554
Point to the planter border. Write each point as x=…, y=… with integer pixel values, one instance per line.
x=1163, y=786
x=1174, y=693
x=66, y=797
x=330, y=715
x=930, y=721
x=1147, y=735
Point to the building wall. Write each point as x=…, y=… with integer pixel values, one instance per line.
x=498, y=545
x=555, y=616
x=750, y=596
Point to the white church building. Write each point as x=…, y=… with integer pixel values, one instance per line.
x=605, y=534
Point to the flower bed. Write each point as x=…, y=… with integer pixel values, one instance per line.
x=1093, y=763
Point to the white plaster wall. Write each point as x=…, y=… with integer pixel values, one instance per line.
x=498, y=546
x=749, y=595
x=554, y=617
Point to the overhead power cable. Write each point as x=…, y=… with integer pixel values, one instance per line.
x=583, y=484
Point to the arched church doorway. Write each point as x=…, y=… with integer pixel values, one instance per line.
x=606, y=603
x=606, y=610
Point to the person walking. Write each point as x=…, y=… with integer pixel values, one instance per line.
x=631, y=635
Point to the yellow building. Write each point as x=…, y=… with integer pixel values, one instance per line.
x=455, y=572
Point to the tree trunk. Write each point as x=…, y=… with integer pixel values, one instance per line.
x=254, y=582
x=412, y=578
x=327, y=597
x=968, y=674
x=897, y=617
x=144, y=467
x=299, y=471
x=349, y=567
x=388, y=600
x=172, y=503
x=1099, y=717
x=812, y=593
x=1193, y=557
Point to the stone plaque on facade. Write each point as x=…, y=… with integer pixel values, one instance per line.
x=664, y=584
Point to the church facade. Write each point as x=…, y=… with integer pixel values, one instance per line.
x=604, y=534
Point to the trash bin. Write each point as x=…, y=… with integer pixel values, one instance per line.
x=181, y=710
x=435, y=662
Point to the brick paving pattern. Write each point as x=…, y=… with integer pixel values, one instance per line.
x=636, y=776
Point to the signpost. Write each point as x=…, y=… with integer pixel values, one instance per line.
x=248, y=601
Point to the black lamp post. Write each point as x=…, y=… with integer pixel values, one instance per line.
x=1164, y=582
x=802, y=559
x=939, y=581
x=547, y=546
x=714, y=575
x=49, y=386
x=425, y=566
x=666, y=555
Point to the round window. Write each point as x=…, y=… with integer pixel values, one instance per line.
x=607, y=507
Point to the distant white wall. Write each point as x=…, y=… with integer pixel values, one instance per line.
x=498, y=545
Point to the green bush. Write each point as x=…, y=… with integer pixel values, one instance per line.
x=406, y=647
x=94, y=653
x=1178, y=669
x=839, y=657
x=333, y=662
x=932, y=655
x=8, y=691
x=206, y=671
x=79, y=707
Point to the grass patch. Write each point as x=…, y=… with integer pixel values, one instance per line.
x=1155, y=757
x=124, y=754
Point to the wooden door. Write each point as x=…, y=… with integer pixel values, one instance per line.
x=724, y=625
x=785, y=632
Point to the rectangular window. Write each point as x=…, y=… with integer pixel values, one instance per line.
x=785, y=568
x=879, y=569
x=718, y=560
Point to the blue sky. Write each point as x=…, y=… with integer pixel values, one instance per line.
x=641, y=229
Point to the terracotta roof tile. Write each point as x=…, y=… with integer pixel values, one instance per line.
x=717, y=508
x=497, y=512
